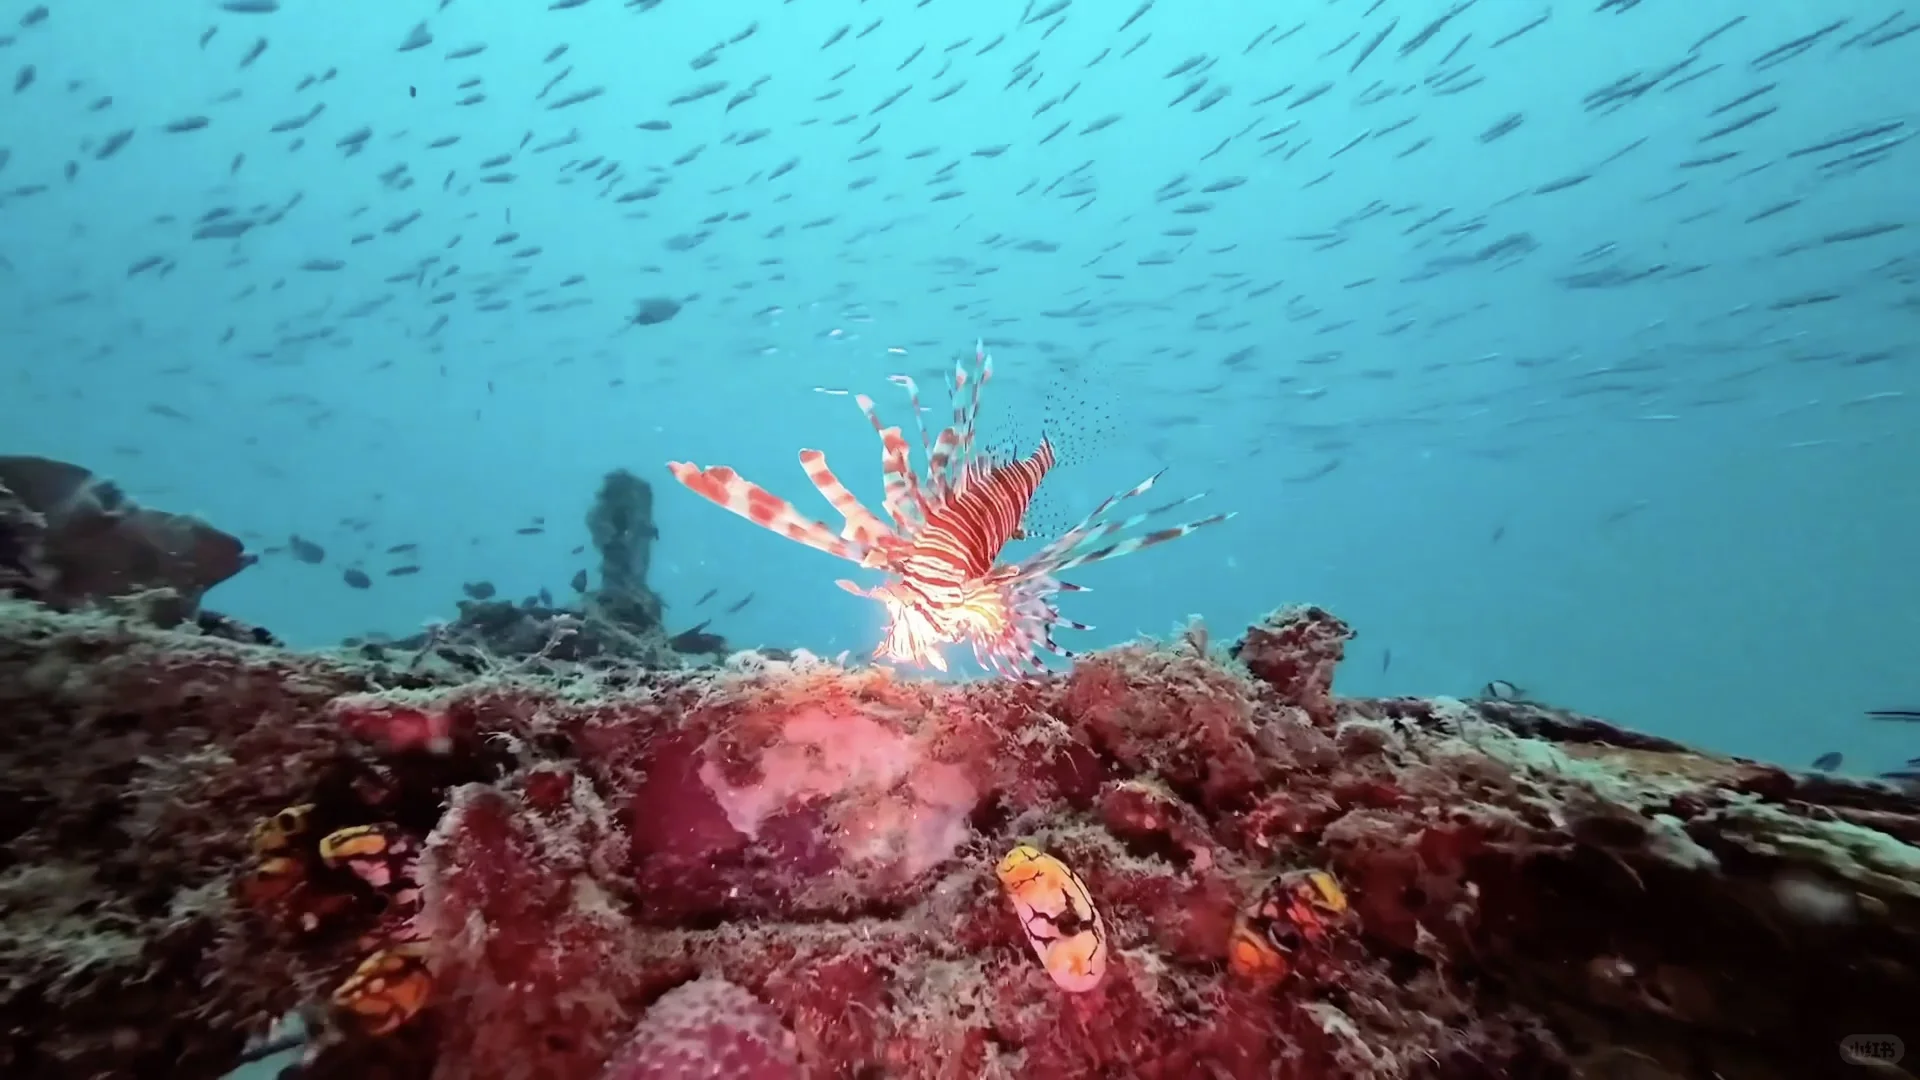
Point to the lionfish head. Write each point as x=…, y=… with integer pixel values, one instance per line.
x=912, y=635
x=915, y=631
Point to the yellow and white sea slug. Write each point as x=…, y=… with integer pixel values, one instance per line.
x=1057, y=914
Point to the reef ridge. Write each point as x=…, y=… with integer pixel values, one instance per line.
x=788, y=864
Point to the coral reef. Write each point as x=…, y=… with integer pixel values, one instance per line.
x=790, y=868
x=69, y=539
x=618, y=624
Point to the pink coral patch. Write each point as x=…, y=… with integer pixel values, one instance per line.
x=708, y=1029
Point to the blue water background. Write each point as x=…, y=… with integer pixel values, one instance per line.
x=1717, y=544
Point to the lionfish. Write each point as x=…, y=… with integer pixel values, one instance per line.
x=941, y=539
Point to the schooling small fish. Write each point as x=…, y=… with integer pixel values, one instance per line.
x=710, y=594
x=478, y=590
x=531, y=530
x=356, y=579
x=404, y=571
x=579, y=581
x=735, y=608
x=1828, y=761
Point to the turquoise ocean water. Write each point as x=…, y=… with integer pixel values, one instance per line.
x=1570, y=344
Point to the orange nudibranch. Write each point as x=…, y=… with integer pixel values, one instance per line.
x=1057, y=914
x=1295, y=910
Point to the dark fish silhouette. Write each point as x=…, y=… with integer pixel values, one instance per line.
x=697, y=640
x=653, y=310
x=306, y=550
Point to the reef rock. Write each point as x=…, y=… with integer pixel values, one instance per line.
x=791, y=867
x=621, y=524
x=69, y=539
x=23, y=565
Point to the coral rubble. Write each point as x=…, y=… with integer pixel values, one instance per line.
x=787, y=869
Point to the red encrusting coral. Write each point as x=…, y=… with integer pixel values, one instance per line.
x=1295, y=650
x=394, y=725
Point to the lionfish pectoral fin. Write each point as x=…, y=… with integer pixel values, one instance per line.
x=903, y=499
x=862, y=527
x=919, y=413
x=725, y=488
x=855, y=588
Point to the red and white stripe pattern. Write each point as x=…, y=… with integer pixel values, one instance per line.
x=941, y=537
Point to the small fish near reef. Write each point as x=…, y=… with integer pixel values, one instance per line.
x=941, y=538
x=1058, y=916
x=1294, y=916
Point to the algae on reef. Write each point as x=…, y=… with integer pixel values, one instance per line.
x=789, y=865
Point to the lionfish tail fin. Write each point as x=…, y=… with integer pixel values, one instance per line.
x=1094, y=527
x=1147, y=540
